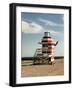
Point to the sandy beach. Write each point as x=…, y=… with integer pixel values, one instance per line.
x=30, y=70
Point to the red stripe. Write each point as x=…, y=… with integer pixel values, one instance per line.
x=49, y=43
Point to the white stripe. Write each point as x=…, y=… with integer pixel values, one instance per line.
x=47, y=39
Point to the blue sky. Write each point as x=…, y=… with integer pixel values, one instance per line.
x=33, y=26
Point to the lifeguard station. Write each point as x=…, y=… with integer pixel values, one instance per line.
x=45, y=54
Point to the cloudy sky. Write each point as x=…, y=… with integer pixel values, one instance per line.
x=33, y=26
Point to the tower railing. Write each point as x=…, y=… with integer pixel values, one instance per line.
x=40, y=58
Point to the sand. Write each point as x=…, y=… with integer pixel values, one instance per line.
x=29, y=70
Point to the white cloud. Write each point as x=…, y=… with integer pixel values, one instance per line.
x=36, y=28
x=51, y=23
x=31, y=27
